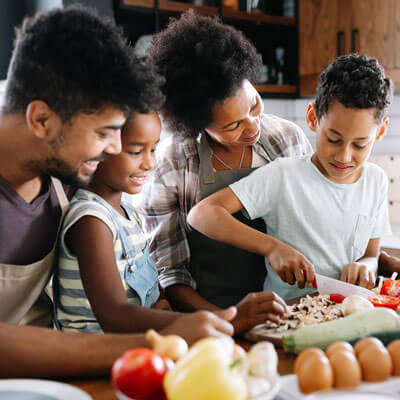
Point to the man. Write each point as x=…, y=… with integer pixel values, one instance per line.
x=71, y=84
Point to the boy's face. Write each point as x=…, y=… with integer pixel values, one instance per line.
x=344, y=141
x=128, y=171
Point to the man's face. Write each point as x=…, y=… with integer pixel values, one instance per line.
x=82, y=143
x=345, y=137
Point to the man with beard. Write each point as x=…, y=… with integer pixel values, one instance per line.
x=71, y=84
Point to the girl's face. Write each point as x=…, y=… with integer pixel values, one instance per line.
x=236, y=122
x=127, y=172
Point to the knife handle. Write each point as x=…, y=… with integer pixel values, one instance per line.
x=303, y=270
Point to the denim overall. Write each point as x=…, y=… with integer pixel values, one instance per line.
x=140, y=271
x=224, y=274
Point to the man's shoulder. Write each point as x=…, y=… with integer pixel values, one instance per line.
x=375, y=172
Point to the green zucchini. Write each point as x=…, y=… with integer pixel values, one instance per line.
x=385, y=337
x=347, y=328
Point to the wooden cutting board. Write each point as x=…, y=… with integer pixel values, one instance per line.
x=259, y=333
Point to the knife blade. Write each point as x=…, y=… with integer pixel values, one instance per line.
x=326, y=285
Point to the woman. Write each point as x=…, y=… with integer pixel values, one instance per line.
x=219, y=134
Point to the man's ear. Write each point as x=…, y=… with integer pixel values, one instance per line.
x=311, y=117
x=39, y=118
x=382, y=130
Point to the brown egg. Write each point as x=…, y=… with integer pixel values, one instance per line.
x=315, y=373
x=338, y=346
x=305, y=354
x=375, y=363
x=365, y=343
x=394, y=351
x=346, y=370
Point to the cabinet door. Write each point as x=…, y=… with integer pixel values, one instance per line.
x=375, y=30
x=323, y=31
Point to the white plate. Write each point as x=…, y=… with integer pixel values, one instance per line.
x=387, y=390
x=38, y=389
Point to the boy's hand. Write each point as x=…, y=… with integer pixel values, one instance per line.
x=256, y=308
x=358, y=273
x=289, y=263
x=195, y=326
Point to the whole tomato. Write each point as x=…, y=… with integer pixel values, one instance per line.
x=139, y=373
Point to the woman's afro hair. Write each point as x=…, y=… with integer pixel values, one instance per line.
x=204, y=63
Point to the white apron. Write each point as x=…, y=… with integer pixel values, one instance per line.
x=23, y=298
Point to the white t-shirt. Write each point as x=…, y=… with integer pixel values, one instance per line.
x=330, y=223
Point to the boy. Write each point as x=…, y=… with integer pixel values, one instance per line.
x=324, y=212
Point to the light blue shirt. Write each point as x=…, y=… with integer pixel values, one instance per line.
x=330, y=223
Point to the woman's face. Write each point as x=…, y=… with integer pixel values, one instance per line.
x=236, y=122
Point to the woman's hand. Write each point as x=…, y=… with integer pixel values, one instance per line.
x=162, y=304
x=256, y=308
x=358, y=273
x=289, y=265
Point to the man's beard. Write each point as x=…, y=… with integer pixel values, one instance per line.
x=59, y=169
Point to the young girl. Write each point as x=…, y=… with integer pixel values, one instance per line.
x=106, y=279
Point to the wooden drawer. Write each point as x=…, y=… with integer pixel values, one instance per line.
x=390, y=163
x=394, y=212
x=394, y=189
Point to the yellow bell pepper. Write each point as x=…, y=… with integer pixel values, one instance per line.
x=205, y=373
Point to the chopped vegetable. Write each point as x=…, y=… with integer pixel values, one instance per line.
x=171, y=346
x=336, y=297
x=391, y=288
x=354, y=304
x=323, y=334
x=385, y=301
x=204, y=373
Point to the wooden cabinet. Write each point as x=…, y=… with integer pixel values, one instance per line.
x=267, y=32
x=328, y=28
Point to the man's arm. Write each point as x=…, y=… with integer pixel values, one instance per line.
x=39, y=352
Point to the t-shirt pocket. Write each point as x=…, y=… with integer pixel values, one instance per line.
x=362, y=235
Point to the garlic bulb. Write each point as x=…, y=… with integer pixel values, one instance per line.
x=171, y=346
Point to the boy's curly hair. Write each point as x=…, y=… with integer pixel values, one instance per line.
x=356, y=81
x=77, y=62
x=204, y=63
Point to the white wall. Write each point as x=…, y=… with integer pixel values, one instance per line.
x=294, y=110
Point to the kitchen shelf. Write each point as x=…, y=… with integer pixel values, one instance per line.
x=259, y=17
x=266, y=88
x=172, y=6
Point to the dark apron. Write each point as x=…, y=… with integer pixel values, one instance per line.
x=224, y=274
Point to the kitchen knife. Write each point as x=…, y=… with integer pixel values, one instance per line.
x=326, y=285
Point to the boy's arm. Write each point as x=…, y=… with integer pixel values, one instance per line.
x=213, y=217
x=363, y=272
x=91, y=240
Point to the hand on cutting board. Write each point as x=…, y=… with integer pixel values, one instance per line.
x=358, y=273
x=289, y=264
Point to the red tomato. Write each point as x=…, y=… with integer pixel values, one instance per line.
x=159, y=395
x=337, y=298
x=391, y=287
x=385, y=301
x=139, y=373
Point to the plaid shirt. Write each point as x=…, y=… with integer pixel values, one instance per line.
x=174, y=189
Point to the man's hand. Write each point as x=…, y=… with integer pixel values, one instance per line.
x=289, y=263
x=195, y=326
x=360, y=274
x=256, y=308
